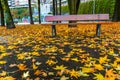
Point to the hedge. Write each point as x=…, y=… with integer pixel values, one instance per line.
x=101, y=6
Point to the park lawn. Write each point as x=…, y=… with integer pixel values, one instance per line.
x=29, y=53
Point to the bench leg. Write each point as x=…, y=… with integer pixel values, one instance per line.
x=53, y=31
x=98, y=29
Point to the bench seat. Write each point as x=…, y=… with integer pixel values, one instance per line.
x=97, y=19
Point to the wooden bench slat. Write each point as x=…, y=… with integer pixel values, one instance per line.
x=77, y=17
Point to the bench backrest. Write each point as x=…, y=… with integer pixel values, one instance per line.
x=77, y=17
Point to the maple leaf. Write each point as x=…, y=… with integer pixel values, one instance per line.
x=114, y=64
x=9, y=78
x=3, y=55
x=35, y=54
x=89, y=64
x=44, y=74
x=117, y=67
x=99, y=77
x=62, y=67
x=50, y=62
x=11, y=47
x=92, y=46
x=22, y=67
x=21, y=56
x=25, y=74
x=2, y=48
x=83, y=74
x=37, y=78
x=87, y=70
x=64, y=78
x=117, y=59
x=111, y=51
x=60, y=73
x=109, y=75
x=3, y=73
x=103, y=59
x=118, y=76
x=98, y=67
x=12, y=65
x=50, y=73
x=75, y=59
x=3, y=62
x=74, y=73
x=84, y=56
x=83, y=61
x=34, y=66
x=61, y=51
x=65, y=59
x=37, y=72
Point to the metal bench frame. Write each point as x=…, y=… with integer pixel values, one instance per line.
x=84, y=17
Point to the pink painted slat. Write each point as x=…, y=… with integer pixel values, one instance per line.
x=77, y=17
x=103, y=17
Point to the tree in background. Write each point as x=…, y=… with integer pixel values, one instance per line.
x=30, y=12
x=116, y=15
x=2, y=15
x=54, y=10
x=73, y=6
x=8, y=16
x=39, y=15
x=60, y=7
x=56, y=7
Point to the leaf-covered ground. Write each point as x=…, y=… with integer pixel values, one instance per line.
x=29, y=53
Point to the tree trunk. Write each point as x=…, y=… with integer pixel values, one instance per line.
x=116, y=15
x=8, y=16
x=73, y=6
x=73, y=9
x=60, y=7
x=77, y=6
x=39, y=12
x=30, y=12
x=2, y=15
x=54, y=7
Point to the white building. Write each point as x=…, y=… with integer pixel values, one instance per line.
x=19, y=3
x=23, y=2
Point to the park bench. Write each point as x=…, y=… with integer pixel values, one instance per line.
x=85, y=17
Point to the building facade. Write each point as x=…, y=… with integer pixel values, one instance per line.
x=19, y=3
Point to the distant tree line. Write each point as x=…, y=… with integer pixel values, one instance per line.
x=101, y=6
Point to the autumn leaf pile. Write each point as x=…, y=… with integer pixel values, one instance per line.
x=30, y=53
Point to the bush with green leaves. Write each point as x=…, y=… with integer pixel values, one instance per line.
x=101, y=6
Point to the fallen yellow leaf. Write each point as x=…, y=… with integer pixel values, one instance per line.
x=99, y=77
x=62, y=67
x=22, y=67
x=50, y=62
x=74, y=73
x=34, y=66
x=98, y=67
x=3, y=62
x=37, y=72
